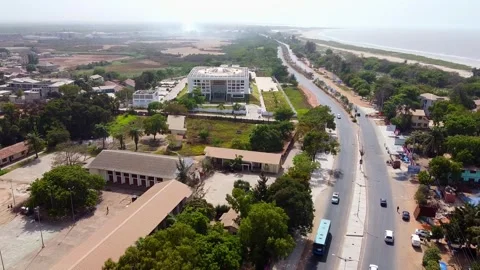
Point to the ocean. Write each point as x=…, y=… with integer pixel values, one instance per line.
x=459, y=46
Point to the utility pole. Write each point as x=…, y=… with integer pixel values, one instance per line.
x=71, y=202
x=37, y=210
x=1, y=258
x=13, y=194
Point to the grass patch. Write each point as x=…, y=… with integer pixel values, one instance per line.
x=192, y=150
x=183, y=92
x=221, y=134
x=125, y=119
x=255, y=96
x=274, y=100
x=298, y=100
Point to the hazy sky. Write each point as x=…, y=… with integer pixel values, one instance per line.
x=314, y=13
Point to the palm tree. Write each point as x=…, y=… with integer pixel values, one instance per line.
x=35, y=143
x=101, y=131
x=135, y=134
x=182, y=169
x=121, y=139
x=236, y=107
x=221, y=106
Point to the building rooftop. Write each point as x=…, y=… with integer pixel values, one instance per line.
x=431, y=96
x=228, y=218
x=219, y=72
x=24, y=80
x=123, y=230
x=418, y=112
x=96, y=76
x=176, y=122
x=136, y=163
x=129, y=82
x=250, y=156
x=103, y=87
x=13, y=149
x=143, y=92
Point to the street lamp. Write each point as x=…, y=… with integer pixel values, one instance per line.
x=71, y=203
x=13, y=194
x=37, y=211
x=1, y=258
x=344, y=259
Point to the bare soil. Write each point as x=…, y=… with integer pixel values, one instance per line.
x=83, y=59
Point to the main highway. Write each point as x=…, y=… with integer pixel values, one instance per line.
x=374, y=249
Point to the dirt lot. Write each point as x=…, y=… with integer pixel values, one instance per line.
x=133, y=66
x=20, y=239
x=31, y=171
x=82, y=59
x=184, y=51
x=207, y=46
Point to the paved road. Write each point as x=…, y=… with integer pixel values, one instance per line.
x=374, y=249
x=346, y=159
x=378, y=186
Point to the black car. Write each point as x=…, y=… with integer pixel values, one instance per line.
x=383, y=202
x=406, y=215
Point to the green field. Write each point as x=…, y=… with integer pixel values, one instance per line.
x=255, y=96
x=274, y=100
x=183, y=92
x=221, y=134
x=298, y=100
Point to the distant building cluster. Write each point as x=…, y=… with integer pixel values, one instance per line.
x=141, y=98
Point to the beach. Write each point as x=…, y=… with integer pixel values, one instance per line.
x=313, y=34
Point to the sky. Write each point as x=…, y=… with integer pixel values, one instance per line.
x=403, y=14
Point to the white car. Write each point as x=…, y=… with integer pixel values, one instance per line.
x=335, y=198
x=423, y=233
x=389, y=236
x=339, y=116
x=373, y=267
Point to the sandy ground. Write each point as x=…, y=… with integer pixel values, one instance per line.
x=184, y=51
x=31, y=171
x=462, y=73
x=265, y=84
x=83, y=59
x=21, y=237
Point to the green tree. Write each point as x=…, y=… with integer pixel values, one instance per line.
x=265, y=138
x=99, y=71
x=57, y=135
x=283, y=113
x=443, y=169
x=70, y=89
x=431, y=254
x=101, y=131
x=319, y=142
x=264, y=235
x=194, y=219
x=461, y=124
x=55, y=190
x=135, y=134
x=424, y=178
x=241, y=201
x=260, y=192
x=437, y=232
x=303, y=167
x=316, y=119
x=204, y=134
x=295, y=199
x=125, y=94
x=154, y=107
x=182, y=169
x=35, y=143
x=155, y=124
x=31, y=67
x=432, y=265
x=175, y=108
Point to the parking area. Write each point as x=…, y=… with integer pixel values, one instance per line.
x=220, y=184
x=266, y=84
x=30, y=171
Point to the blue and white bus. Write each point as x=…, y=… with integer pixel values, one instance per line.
x=321, y=239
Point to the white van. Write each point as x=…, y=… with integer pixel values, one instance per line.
x=416, y=242
x=388, y=236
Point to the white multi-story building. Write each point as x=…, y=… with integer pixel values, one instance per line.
x=142, y=98
x=220, y=84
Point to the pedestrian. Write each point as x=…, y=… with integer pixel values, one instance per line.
x=107, y=210
x=398, y=208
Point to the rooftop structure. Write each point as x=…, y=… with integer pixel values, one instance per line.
x=129, y=83
x=428, y=99
x=228, y=220
x=141, y=98
x=159, y=166
x=13, y=152
x=220, y=84
x=176, y=124
x=254, y=161
x=140, y=219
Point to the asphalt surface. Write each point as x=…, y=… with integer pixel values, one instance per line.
x=374, y=249
x=346, y=162
x=379, y=219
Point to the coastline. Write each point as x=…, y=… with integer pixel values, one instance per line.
x=462, y=70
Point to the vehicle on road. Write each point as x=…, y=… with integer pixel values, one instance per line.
x=406, y=215
x=339, y=116
x=416, y=241
x=335, y=198
x=423, y=233
x=373, y=267
x=383, y=202
x=323, y=232
x=389, y=236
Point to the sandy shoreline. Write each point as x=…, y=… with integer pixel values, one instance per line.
x=462, y=73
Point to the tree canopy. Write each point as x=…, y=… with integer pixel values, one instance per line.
x=63, y=186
